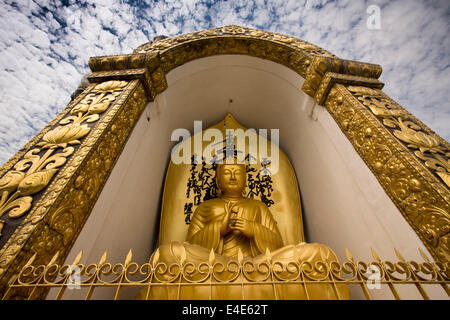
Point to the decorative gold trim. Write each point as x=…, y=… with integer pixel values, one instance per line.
x=330, y=78
x=11, y=162
x=310, y=61
x=402, y=153
x=412, y=176
x=347, y=69
x=149, y=61
x=270, y=275
x=55, y=220
x=34, y=172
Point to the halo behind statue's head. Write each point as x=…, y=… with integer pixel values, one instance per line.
x=188, y=185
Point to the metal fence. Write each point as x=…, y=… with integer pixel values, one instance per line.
x=34, y=282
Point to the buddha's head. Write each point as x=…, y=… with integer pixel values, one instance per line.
x=231, y=179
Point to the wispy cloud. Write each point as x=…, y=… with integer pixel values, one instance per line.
x=45, y=46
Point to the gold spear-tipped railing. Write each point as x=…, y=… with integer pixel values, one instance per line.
x=241, y=272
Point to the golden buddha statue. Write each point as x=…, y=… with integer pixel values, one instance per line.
x=232, y=227
x=232, y=222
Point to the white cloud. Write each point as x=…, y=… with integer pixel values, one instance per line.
x=45, y=47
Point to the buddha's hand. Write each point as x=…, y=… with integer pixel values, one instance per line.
x=225, y=227
x=246, y=227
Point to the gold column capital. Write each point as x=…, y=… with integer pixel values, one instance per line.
x=142, y=66
x=323, y=72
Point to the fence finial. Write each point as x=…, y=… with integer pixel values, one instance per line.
x=155, y=258
x=212, y=257
x=53, y=259
x=78, y=258
x=103, y=258
x=375, y=255
x=183, y=255
x=349, y=255
x=128, y=258
x=240, y=256
x=399, y=255
x=30, y=261
x=423, y=255
x=268, y=254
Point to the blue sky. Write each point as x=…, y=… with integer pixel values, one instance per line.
x=45, y=47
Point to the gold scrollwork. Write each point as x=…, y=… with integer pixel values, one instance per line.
x=429, y=147
x=393, y=144
x=34, y=172
x=237, y=31
x=57, y=217
x=270, y=276
x=82, y=178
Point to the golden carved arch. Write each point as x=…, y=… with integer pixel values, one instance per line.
x=409, y=160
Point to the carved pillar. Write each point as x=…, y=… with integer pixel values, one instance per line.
x=49, y=188
x=409, y=160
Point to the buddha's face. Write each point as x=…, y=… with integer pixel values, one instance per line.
x=231, y=178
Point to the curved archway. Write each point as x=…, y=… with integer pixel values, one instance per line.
x=344, y=205
x=165, y=73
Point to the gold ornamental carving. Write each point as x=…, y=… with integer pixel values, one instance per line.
x=310, y=61
x=323, y=72
x=57, y=217
x=53, y=182
x=408, y=159
x=235, y=32
x=427, y=146
x=34, y=171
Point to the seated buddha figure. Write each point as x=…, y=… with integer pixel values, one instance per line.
x=232, y=225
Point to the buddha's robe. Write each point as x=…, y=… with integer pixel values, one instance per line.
x=204, y=229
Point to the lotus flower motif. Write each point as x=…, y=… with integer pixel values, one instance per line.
x=10, y=181
x=35, y=182
x=63, y=135
x=80, y=108
x=418, y=139
x=110, y=86
x=100, y=107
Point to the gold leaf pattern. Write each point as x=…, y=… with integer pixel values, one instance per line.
x=10, y=181
x=35, y=182
x=83, y=194
x=19, y=206
x=64, y=135
x=62, y=226
x=34, y=171
x=407, y=130
x=417, y=139
x=110, y=86
x=419, y=195
x=445, y=177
